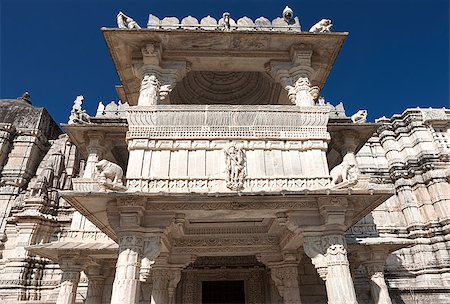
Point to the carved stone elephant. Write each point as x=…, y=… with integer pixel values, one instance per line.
x=342, y=173
x=109, y=172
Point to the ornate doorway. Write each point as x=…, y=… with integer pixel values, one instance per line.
x=209, y=280
x=220, y=292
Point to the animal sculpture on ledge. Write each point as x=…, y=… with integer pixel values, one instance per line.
x=323, y=26
x=347, y=171
x=110, y=175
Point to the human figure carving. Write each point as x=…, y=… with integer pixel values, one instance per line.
x=123, y=21
x=149, y=91
x=110, y=175
x=226, y=21
x=323, y=26
x=235, y=165
x=77, y=114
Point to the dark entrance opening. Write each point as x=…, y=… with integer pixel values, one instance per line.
x=223, y=292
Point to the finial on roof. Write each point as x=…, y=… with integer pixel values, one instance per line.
x=288, y=15
x=25, y=97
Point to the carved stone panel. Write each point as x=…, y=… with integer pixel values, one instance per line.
x=191, y=282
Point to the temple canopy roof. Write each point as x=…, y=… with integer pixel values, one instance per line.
x=243, y=53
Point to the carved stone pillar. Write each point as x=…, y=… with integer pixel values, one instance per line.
x=69, y=280
x=372, y=258
x=126, y=281
x=95, y=153
x=378, y=287
x=286, y=280
x=165, y=282
x=329, y=256
x=295, y=76
x=158, y=78
x=95, y=284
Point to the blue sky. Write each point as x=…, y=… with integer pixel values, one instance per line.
x=396, y=55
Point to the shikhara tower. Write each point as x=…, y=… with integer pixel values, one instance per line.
x=223, y=176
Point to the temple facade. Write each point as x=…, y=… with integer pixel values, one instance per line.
x=223, y=176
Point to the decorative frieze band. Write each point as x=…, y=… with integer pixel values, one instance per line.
x=219, y=185
x=192, y=132
x=175, y=121
x=256, y=144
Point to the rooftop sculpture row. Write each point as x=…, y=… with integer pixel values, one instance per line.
x=226, y=23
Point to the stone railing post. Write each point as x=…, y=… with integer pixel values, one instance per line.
x=329, y=255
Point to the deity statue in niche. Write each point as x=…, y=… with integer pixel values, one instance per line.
x=235, y=167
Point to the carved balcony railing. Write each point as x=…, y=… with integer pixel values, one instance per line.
x=224, y=148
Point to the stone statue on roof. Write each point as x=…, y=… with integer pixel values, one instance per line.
x=323, y=26
x=123, y=21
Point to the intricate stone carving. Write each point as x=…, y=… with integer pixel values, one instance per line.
x=286, y=23
x=360, y=116
x=302, y=93
x=123, y=21
x=329, y=255
x=110, y=175
x=286, y=280
x=77, y=114
x=347, y=171
x=323, y=26
x=149, y=92
x=235, y=167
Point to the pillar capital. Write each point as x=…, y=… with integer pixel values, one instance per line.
x=333, y=210
x=165, y=280
x=328, y=254
x=296, y=76
x=158, y=78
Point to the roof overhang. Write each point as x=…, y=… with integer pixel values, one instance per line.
x=219, y=207
x=235, y=51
